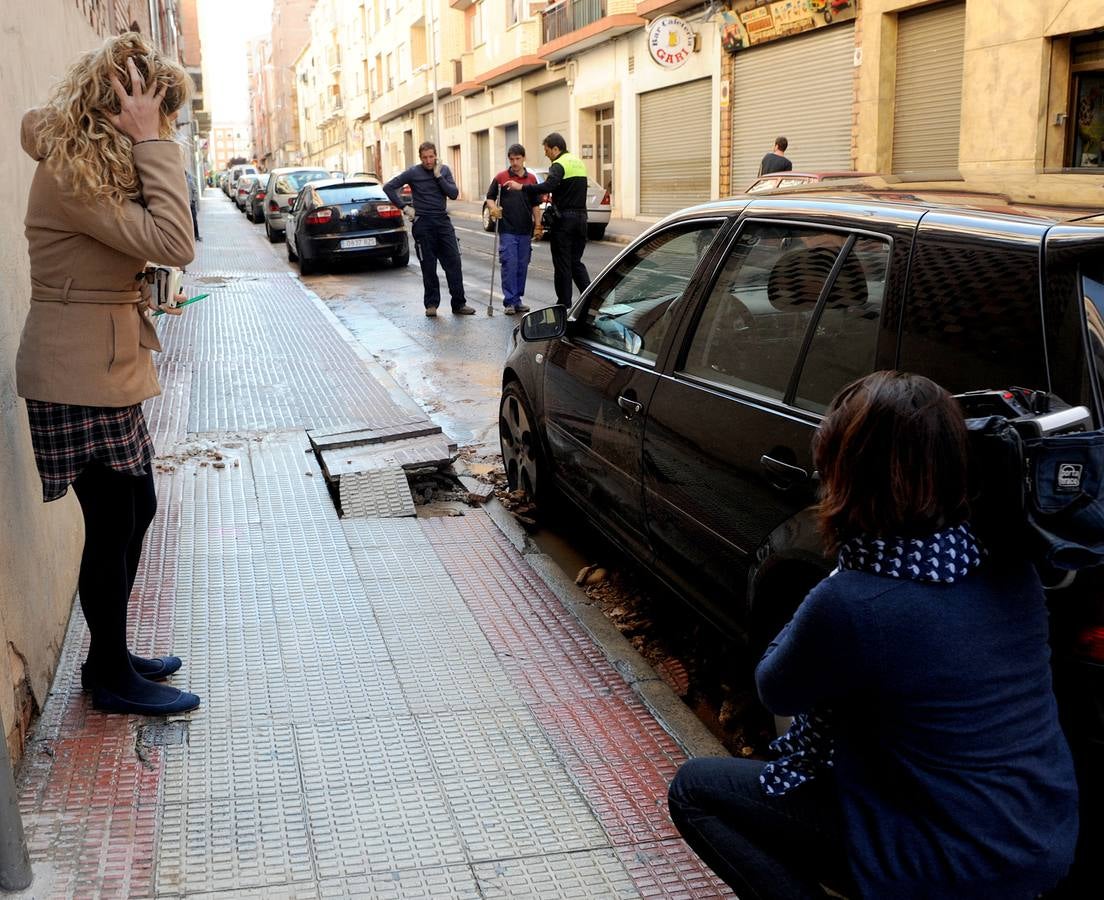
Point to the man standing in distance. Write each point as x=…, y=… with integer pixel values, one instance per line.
x=431, y=185
x=776, y=161
x=567, y=183
x=518, y=217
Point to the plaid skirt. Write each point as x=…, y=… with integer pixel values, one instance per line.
x=66, y=438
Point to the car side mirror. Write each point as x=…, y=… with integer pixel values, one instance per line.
x=544, y=324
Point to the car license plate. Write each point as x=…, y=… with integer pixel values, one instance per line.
x=352, y=243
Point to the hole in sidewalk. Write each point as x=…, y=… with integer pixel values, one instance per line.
x=163, y=734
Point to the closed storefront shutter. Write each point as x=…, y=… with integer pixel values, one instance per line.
x=928, y=106
x=552, y=107
x=676, y=127
x=802, y=88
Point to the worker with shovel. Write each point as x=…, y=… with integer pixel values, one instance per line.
x=516, y=215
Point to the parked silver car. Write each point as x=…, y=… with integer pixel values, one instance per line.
x=598, y=206
x=241, y=189
x=283, y=185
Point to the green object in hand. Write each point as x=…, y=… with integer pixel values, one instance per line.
x=161, y=312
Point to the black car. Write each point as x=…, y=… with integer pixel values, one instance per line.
x=336, y=219
x=676, y=403
x=255, y=199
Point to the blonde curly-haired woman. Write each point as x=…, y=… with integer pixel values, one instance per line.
x=107, y=197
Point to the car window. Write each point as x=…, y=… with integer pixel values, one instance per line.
x=846, y=335
x=293, y=181
x=972, y=316
x=754, y=322
x=349, y=193
x=793, y=182
x=632, y=308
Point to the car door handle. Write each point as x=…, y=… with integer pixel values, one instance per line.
x=630, y=407
x=784, y=474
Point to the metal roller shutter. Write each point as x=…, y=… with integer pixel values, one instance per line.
x=552, y=112
x=801, y=87
x=676, y=155
x=927, y=110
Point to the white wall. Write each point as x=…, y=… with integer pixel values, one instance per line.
x=39, y=543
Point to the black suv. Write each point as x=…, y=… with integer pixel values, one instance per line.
x=676, y=403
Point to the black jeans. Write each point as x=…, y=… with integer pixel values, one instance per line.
x=435, y=239
x=117, y=510
x=569, y=239
x=763, y=847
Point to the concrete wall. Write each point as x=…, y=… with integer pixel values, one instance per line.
x=1015, y=83
x=39, y=543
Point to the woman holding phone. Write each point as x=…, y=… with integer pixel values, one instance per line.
x=108, y=196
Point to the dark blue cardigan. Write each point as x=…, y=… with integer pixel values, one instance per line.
x=953, y=774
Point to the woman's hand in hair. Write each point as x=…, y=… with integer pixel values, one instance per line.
x=139, y=115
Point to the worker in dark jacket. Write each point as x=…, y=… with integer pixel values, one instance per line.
x=567, y=183
x=431, y=186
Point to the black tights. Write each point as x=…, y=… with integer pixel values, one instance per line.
x=117, y=509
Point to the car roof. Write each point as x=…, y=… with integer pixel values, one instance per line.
x=342, y=182
x=284, y=170
x=876, y=193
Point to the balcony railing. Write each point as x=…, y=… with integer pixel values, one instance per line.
x=569, y=16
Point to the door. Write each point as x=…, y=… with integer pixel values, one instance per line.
x=927, y=108
x=801, y=88
x=408, y=149
x=552, y=115
x=676, y=147
x=483, y=158
x=793, y=316
x=510, y=137
x=603, y=147
x=599, y=379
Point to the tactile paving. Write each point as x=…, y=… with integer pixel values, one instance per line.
x=556, y=876
x=505, y=785
x=670, y=869
x=380, y=493
x=453, y=883
x=240, y=842
x=375, y=804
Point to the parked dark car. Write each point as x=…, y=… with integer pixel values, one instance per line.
x=338, y=219
x=255, y=199
x=675, y=405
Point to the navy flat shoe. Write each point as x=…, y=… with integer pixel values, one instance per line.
x=106, y=701
x=165, y=666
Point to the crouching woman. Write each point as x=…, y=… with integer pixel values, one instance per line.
x=926, y=759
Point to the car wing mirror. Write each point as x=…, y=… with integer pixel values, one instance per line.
x=544, y=324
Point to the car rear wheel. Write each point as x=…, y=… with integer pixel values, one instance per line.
x=307, y=266
x=401, y=260
x=522, y=451
x=273, y=237
x=596, y=232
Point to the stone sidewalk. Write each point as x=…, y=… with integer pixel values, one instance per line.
x=392, y=707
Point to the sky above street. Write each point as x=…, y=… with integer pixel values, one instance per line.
x=224, y=30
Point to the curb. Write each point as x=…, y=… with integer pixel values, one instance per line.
x=672, y=714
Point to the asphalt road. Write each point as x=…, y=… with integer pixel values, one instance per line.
x=451, y=365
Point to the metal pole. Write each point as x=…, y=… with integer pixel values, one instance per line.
x=15, y=863
x=433, y=69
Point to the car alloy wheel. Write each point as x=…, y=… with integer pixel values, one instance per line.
x=522, y=452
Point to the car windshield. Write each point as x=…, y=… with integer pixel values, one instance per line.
x=349, y=193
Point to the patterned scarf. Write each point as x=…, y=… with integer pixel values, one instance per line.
x=944, y=557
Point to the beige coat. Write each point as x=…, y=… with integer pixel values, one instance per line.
x=88, y=335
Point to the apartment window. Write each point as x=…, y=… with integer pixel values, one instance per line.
x=417, y=45
x=450, y=112
x=477, y=24
x=1087, y=100
x=514, y=11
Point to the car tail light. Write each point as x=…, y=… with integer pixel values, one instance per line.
x=273, y=206
x=388, y=211
x=606, y=199
x=319, y=217
x=260, y=195
x=1090, y=643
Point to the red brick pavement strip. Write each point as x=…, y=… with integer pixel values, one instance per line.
x=89, y=802
x=615, y=751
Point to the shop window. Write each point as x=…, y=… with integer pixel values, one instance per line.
x=1087, y=99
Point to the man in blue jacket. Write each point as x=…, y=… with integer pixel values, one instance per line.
x=431, y=186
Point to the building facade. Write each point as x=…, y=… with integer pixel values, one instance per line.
x=227, y=141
